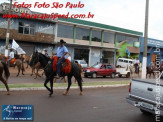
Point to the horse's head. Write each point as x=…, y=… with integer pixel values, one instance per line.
x=34, y=59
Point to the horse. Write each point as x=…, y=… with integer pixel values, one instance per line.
x=14, y=62
x=150, y=70
x=19, y=64
x=27, y=59
x=47, y=63
x=3, y=67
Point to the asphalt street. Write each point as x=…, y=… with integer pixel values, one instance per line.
x=96, y=105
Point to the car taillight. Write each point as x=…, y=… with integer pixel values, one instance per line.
x=129, y=87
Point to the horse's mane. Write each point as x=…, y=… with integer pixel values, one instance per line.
x=44, y=59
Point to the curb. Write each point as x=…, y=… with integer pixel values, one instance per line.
x=74, y=87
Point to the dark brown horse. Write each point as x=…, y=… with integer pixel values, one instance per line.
x=47, y=63
x=150, y=70
x=4, y=68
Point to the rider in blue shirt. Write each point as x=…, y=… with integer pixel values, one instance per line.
x=61, y=52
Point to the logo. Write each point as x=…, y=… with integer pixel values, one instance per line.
x=17, y=112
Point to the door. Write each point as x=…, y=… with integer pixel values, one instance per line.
x=109, y=69
x=153, y=58
x=102, y=70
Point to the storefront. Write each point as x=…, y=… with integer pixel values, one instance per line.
x=154, y=50
x=93, y=42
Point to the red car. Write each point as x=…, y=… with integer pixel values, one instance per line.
x=100, y=70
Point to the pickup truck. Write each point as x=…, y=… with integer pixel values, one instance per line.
x=123, y=71
x=144, y=94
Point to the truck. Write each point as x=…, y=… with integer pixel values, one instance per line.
x=123, y=71
x=147, y=95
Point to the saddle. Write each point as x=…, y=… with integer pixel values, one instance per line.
x=12, y=61
x=65, y=67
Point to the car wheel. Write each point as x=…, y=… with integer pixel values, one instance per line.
x=128, y=75
x=104, y=76
x=120, y=76
x=113, y=75
x=145, y=112
x=94, y=75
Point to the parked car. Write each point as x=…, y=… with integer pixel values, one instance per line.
x=123, y=62
x=100, y=70
x=83, y=63
x=146, y=95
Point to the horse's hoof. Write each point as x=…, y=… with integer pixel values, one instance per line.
x=50, y=94
x=17, y=75
x=81, y=93
x=8, y=93
x=65, y=93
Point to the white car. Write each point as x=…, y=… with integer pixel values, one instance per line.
x=123, y=62
x=83, y=63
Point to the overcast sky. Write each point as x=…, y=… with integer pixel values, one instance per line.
x=129, y=14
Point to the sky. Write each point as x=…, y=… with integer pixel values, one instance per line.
x=128, y=14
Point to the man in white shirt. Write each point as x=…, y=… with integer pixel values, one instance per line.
x=11, y=56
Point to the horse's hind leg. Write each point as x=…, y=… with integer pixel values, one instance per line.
x=79, y=79
x=18, y=70
x=51, y=85
x=5, y=83
x=69, y=84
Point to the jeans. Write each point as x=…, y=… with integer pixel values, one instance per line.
x=9, y=61
x=59, y=66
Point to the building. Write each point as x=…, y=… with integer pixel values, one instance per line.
x=154, y=50
x=93, y=42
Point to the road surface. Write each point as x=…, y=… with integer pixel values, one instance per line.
x=96, y=105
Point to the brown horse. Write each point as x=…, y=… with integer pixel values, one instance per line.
x=4, y=68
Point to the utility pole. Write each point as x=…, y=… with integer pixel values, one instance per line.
x=8, y=31
x=145, y=41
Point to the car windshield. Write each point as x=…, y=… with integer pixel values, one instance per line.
x=82, y=62
x=96, y=66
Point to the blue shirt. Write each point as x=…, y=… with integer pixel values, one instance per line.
x=61, y=51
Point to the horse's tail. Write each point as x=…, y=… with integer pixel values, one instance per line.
x=7, y=73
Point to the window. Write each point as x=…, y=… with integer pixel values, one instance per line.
x=108, y=37
x=65, y=31
x=128, y=39
x=82, y=34
x=130, y=62
x=109, y=67
x=96, y=36
x=120, y=60
x=125, y=61
x=26, y=28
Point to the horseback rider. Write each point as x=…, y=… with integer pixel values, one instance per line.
x=11, y=56
x=61, y=52
x=45, y=52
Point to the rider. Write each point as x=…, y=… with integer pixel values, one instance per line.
x=61, y=52
x=45, y=52
x=11, y=56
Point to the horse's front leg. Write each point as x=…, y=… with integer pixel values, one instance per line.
x=51, y=85
x=45, y=84
x=69, y=84
x=5, y=83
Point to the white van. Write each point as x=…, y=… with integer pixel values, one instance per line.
x=123, y=62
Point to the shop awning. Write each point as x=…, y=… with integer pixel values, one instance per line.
x=134, y=50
